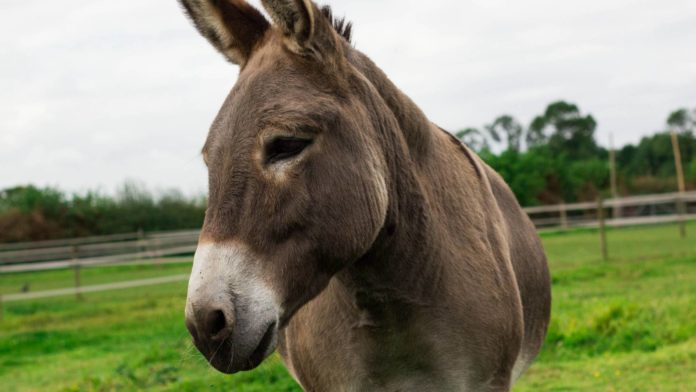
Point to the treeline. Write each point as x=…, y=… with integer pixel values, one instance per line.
x=28, y=213
x=556, y=157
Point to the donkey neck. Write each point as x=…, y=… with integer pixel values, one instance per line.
x=412, y=121
x=406, y=258
x=426, y=221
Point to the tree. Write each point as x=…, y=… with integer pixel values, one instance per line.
x=691, y=170
x=31, y=213
x=571, y=132
x=682, y=120
x=525, y=172
x=506, y=128
x=653, y=156
x=535, y=133
x=473, y=138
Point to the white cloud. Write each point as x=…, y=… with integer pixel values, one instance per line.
x=95, y=91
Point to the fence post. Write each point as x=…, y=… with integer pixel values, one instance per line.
x=76, y=270
x=681, y=211
x=602, y=228
x=564, y=216
x=616, y=211
x=143, y=246
x=680, y=182
x=156, y=253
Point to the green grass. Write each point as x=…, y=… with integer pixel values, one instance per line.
x=628, y=324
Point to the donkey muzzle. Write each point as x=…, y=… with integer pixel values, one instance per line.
x=231, y=314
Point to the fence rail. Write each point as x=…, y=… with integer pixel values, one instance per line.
x=93, y=252
x=142, y=247
x=155, y=255
x=95, y=239
x=119, y=248
x=68, y=242
x=94, y=288
x=625, y=211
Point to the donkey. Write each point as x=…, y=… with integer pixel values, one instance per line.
x=346, y=230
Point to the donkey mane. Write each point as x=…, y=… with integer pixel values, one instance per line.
x=343, y=27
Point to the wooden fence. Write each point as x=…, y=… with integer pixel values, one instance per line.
x=92, y=251
x=78, y=253
x=625, y=211
x=152, y=247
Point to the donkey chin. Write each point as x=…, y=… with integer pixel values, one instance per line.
x=231, y=313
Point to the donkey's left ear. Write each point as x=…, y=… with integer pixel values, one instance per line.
x=233, y=27
x=303, y=23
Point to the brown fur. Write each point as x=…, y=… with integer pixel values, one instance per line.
x=403, y=261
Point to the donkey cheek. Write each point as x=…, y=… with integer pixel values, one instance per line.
x=300, y=288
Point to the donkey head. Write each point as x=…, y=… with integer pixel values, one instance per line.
x=297, y=176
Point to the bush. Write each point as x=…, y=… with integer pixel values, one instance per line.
x=28, y=213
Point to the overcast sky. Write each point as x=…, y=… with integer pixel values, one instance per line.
x=93, y=92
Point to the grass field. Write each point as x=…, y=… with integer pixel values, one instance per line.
x=628, y=324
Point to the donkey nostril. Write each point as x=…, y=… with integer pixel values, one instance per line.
x=216, y=322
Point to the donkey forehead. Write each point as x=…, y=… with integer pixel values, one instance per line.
x=274, y=100
x=247, y=114
x=276, y=77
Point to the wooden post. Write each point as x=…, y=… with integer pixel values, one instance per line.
x=142, y=247
x=564, y=216
x=612, y=171
x=602, y=228
x=76, y=270
x=2, y=310
x=680, y=183
x=156, y=253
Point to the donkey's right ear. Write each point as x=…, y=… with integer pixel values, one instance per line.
x=233, y=26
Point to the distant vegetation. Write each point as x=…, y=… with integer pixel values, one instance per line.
x=556, y=158
x=28, y=213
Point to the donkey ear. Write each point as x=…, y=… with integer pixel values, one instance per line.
x=294, y=17
x=302, y=21
x=233, y=26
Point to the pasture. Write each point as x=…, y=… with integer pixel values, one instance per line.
x=627, y=324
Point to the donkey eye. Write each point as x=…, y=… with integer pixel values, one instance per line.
x=284, y=148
